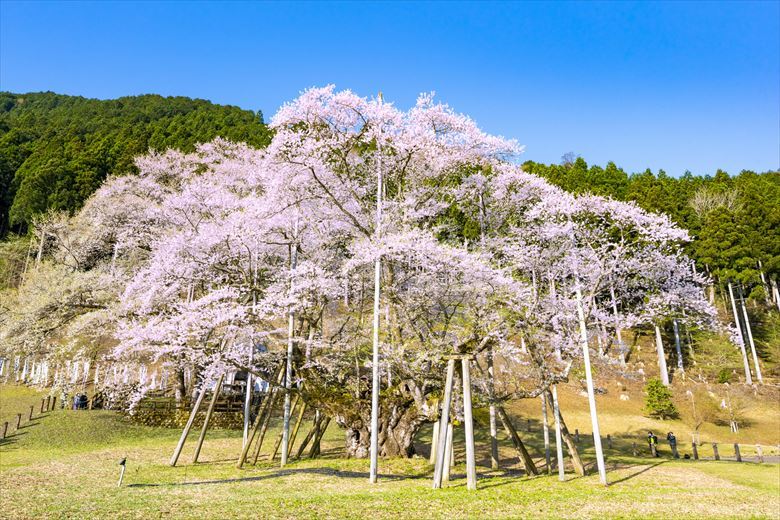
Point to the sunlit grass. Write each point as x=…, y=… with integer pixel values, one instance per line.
x=64, y=465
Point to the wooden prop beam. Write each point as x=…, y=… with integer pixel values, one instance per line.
x=315, y=447
x=207, y=420
x=525, y=457
x=187, y=427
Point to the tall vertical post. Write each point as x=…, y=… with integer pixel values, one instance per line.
x=659, y=345
x=290, y=346
x=558, y=436
x=677, y=346
x=471, y=464
x=750, y=338
x=748, y=376
x=594, y=419
x=248, y=394
x=434, y=441
x=492, y=410
x=375, y=351
x=441, y=443
x=775, y=292
x=546, y=430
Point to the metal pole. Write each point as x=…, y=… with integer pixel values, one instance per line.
x=375, y=353
x=546, y=434
x=659, y=345
x=750, y=338
x=471, y=465
x=441, y=444
x=748, y=376
x=677, y=346
x=594, y=419
x=290, y=345
x=248, y=396
x=558, y=439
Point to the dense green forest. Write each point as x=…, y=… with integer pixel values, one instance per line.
x=55, y=150
x=734, y=220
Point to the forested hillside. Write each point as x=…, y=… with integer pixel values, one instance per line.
x=56, y=150
x=734, y=220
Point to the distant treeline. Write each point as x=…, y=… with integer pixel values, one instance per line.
x=56, y=150
x=735, y=221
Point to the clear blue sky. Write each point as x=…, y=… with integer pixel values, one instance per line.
x=648, y=85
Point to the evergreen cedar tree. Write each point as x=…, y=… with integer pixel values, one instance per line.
x=187, y=262
x=658, y=400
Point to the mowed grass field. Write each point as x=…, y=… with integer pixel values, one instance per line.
x=64, y=465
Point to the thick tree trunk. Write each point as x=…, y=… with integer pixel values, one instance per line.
x=181, y=387
x=396, y=433
x=574, y=453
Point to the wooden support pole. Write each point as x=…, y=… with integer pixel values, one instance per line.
x=263, y=418
x=633, y=449
x=18, y=420
x=546, y=431
x=434, y=439
x=43, y=402
x=471, y=464
x=283, y=435
x=441, y=448
x=207, y=420
x=310, y=436
x=695, y=451
x=715, y=451
x=737, y=454
x=246, y=446
x=5, y=430
x=576, y=436
x=48, y=403
x=315, y=447
x=525, y=457
x=31, y=413
x=53, y=401
x=188, y=426
x=609, y=441
x=297, y=426
x=266, y=421
x=449, y=457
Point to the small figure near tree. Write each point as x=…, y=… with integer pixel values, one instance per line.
x=658, y=400
x=673, y=444
x=652, y=441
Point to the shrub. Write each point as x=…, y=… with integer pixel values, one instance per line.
x=658, y=400
x=724, y=375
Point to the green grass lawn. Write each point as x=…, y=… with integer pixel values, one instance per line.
x=64, y=465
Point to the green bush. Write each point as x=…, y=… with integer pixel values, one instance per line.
x=658, y=400
x=724, y=375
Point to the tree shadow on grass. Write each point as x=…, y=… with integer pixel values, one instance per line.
x=637, y=473
x=287, y=472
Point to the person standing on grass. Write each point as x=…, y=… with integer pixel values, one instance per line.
x=673, y=444
x=652, y=441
